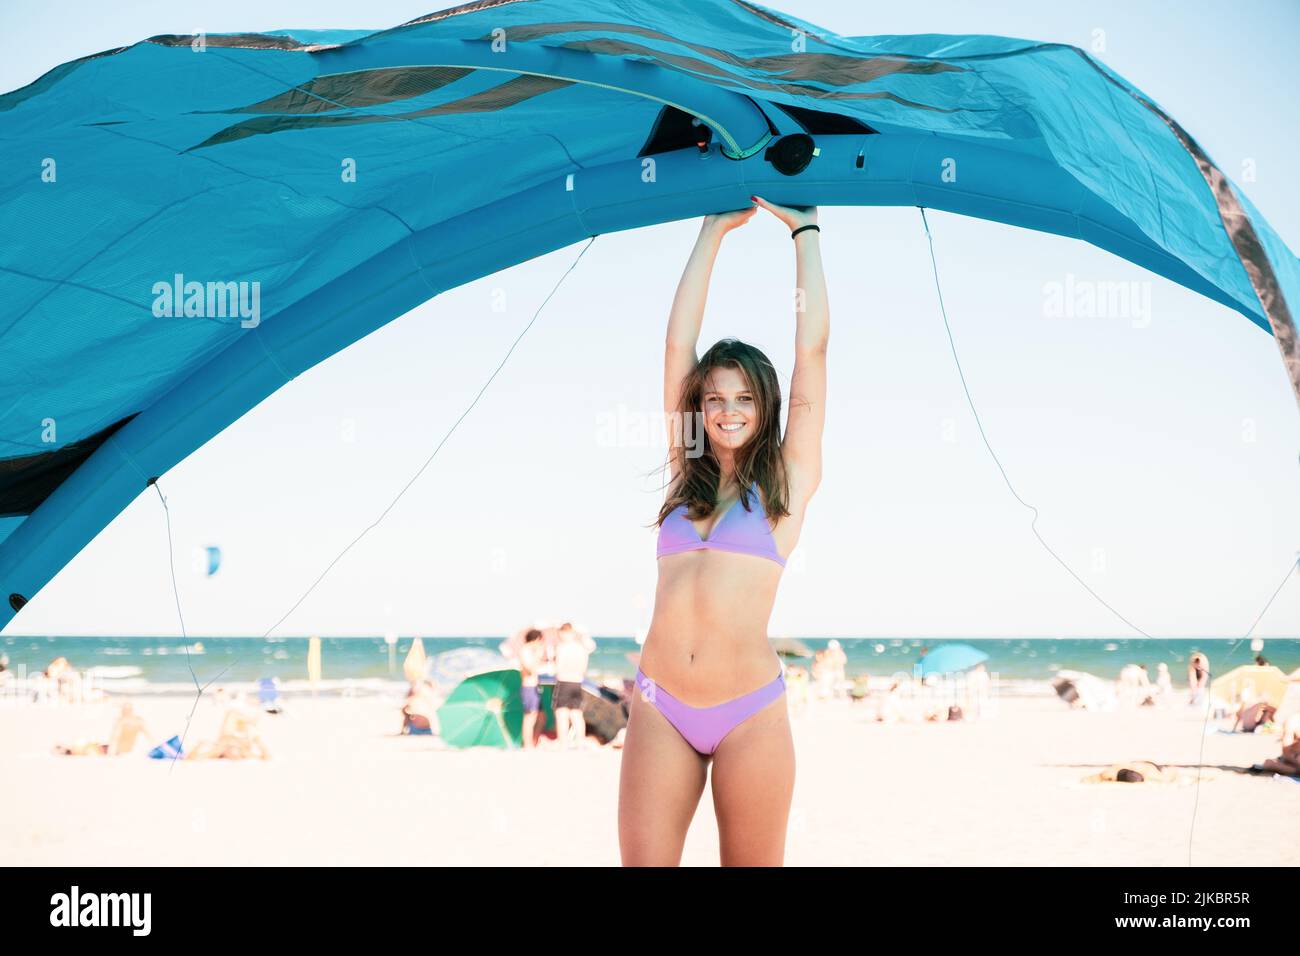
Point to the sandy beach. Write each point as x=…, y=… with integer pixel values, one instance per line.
x=342, y=789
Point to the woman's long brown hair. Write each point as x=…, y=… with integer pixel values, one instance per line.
x=759, y=459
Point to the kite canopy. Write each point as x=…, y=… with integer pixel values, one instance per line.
x=190, y=222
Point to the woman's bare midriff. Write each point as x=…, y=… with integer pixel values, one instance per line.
x=708, y=641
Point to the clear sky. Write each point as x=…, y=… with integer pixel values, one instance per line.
x=1161, y=450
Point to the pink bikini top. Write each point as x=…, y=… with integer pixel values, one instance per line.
x=741, y=531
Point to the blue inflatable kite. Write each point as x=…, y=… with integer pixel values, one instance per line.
x=191, y=221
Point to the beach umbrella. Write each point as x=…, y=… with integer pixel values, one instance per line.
x=1290, y=703
x=791, y=647
x=313, y=662
x=484, y=711
x=1251, y=680
x=449, y=668
x=170, y=750
x=950, y=659
x=413, y=667
x=391, y=640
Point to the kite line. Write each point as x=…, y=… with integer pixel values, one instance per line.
x=1033, y=527
x=202, y=688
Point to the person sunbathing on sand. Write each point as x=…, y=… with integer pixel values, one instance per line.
x=230, y=748
x=127, y=729
x=1252, y=714
x=237, y=739
x=1288, y=764
x=1135, y=771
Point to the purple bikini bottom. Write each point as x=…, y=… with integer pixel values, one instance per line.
x=704, y=727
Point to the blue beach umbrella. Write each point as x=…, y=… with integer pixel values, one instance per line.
x=950, y=659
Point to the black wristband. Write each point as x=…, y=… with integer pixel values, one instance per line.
x=802, y=228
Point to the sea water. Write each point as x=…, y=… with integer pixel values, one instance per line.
x=144, y=665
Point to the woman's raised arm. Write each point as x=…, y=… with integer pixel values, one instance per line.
x=802, y=444
x=687, y=315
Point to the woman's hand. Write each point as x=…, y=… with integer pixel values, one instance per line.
x=792, y=216
x=724, y=222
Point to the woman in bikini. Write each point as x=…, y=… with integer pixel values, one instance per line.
x=710, y=688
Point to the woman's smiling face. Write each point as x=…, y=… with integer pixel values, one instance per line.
x=729, y=408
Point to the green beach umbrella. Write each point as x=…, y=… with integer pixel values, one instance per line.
x=485, y=711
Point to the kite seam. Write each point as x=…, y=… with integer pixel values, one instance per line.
x=911, y=171
x=126, y=456
x=257, y=333
x=573, y=201
x=419, y=267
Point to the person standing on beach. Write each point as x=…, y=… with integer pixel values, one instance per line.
x=571, y=656
x=797, y=689
x=419, y=711
x=711, y=686
x=823, y=674
x=828, y=669
x=1134, y=686
x=836, y=661
x=978, y=685
x=1164, y=683
x=532, y=657
x=1198, y=675
x=62, y=682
